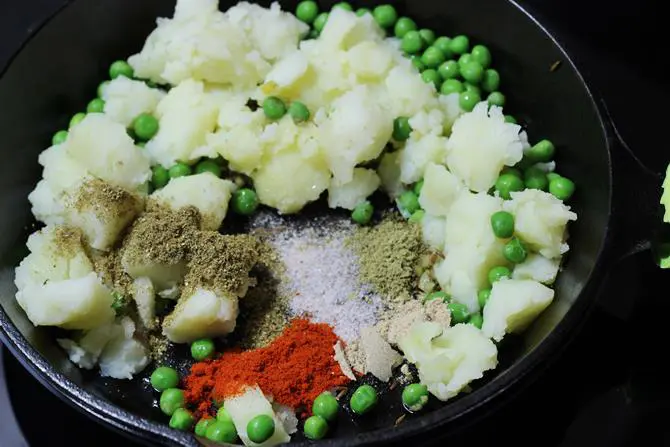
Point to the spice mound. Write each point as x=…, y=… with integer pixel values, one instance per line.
x=294, y=369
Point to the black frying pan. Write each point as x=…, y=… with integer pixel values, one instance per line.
x=56, y=72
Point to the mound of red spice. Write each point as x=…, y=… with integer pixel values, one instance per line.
x=294, y=369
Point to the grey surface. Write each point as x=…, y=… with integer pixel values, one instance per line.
x=10, y=433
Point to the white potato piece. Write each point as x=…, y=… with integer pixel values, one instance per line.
x=408, y=93
x=125, y=99
x=287, y=75
x=540, y=220
x=102, y=211
x=201, y=313
x=287, y=182
x=433, y=231
x=350, y=194
x=481, y=144
x=469, y=219
x=418, y=153
x=186, y=116
x=344, y=29
x=370, y=60
x=513, y=305
x=81, y=303
x=538, y=268
x=389, y=173
x=246, y=406
x=103, y=148
x=123, y=356
x=440, y=190
x=208, y=193
x=86, y=350
x=451, y=109
x=47, y=204
x=144, y=295
x=427, y=122
x=239, y=146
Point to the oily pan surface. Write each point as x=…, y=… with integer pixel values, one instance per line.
x=36, y=100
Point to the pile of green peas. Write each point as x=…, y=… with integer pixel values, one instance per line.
x=459, y=312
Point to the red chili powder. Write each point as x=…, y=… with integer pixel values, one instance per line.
x=294, y=369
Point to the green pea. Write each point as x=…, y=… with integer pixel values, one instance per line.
x=472, y=71
x=315, y=427
x=418, y=186
x=343, y=5
x=552, y=175
x=181, y=419
x=320, y=21
x=326, y=406
x=121, y=68
x=511, y=170
x=96, y=105
x=363, y=399
x=362, y=11
x=403, y=26
x=313, y=34
x=202, y=349
x=401, y=128
x=274, y=108
x=170, y=400
x=428, y=36
x=101, y=89
x=444, y=45
x=223, y=415
x=222, y=432
x=476, y=320
x=502, y=224
x=208, y=166
x=437, y=296
x=514, y=251
x=459, y=312
x=415, y=396
x=498, y=273
x=468, y=87
x=409, y=202
x=385, y=15
x=299, y=112
x=411, y=43
x=483, y=297
x=468, y=100
x=430, y=76
x=496, y=99
x=59, y=137
x=508, y=183
x=76, y=119
x=260, y=428
x=145, y=126
x=307, y=11
x=417, y=216
x=543, y=151
x=416, y=61
x=202, y=426
x=510, y=119
x=179, y=170
x=490, y=80
x=562, y=188
x=459, y=44
x=432, y=57
x=362, y=213
x=464, y=59
x=482, y=55
x=159, y=176
x=451, y=86
x=536, y=178
x=449, y=70
x=163, y=378
x=245, y=201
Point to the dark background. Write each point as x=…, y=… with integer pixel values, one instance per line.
x=609, y=388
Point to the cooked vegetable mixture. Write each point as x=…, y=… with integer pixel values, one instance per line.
x=249, y=116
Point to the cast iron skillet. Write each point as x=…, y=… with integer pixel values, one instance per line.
x=56, y=73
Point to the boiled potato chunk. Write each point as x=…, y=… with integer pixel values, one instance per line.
x=448, y=359
x=350, y=194
x=288, y=182
x=418, y=153
x=440, y=190
x=286, y=75
x=81, y=303
x=370, y=60
x=408, y=93
x=389, y=173
x=344, y=30
x=201, y=313
x=540, y=220
x=85, y=351
x=125, y=99
x=538, y=268
x=246, y=406
x=208, y=193
x=469, y=219
x=481, y=144
x=123, y=356
x=144, y=295
x=432, y=231
x=513, y=305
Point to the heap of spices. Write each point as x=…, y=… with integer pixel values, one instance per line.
x=294, y=369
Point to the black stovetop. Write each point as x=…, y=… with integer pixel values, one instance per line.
x=608, y=389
